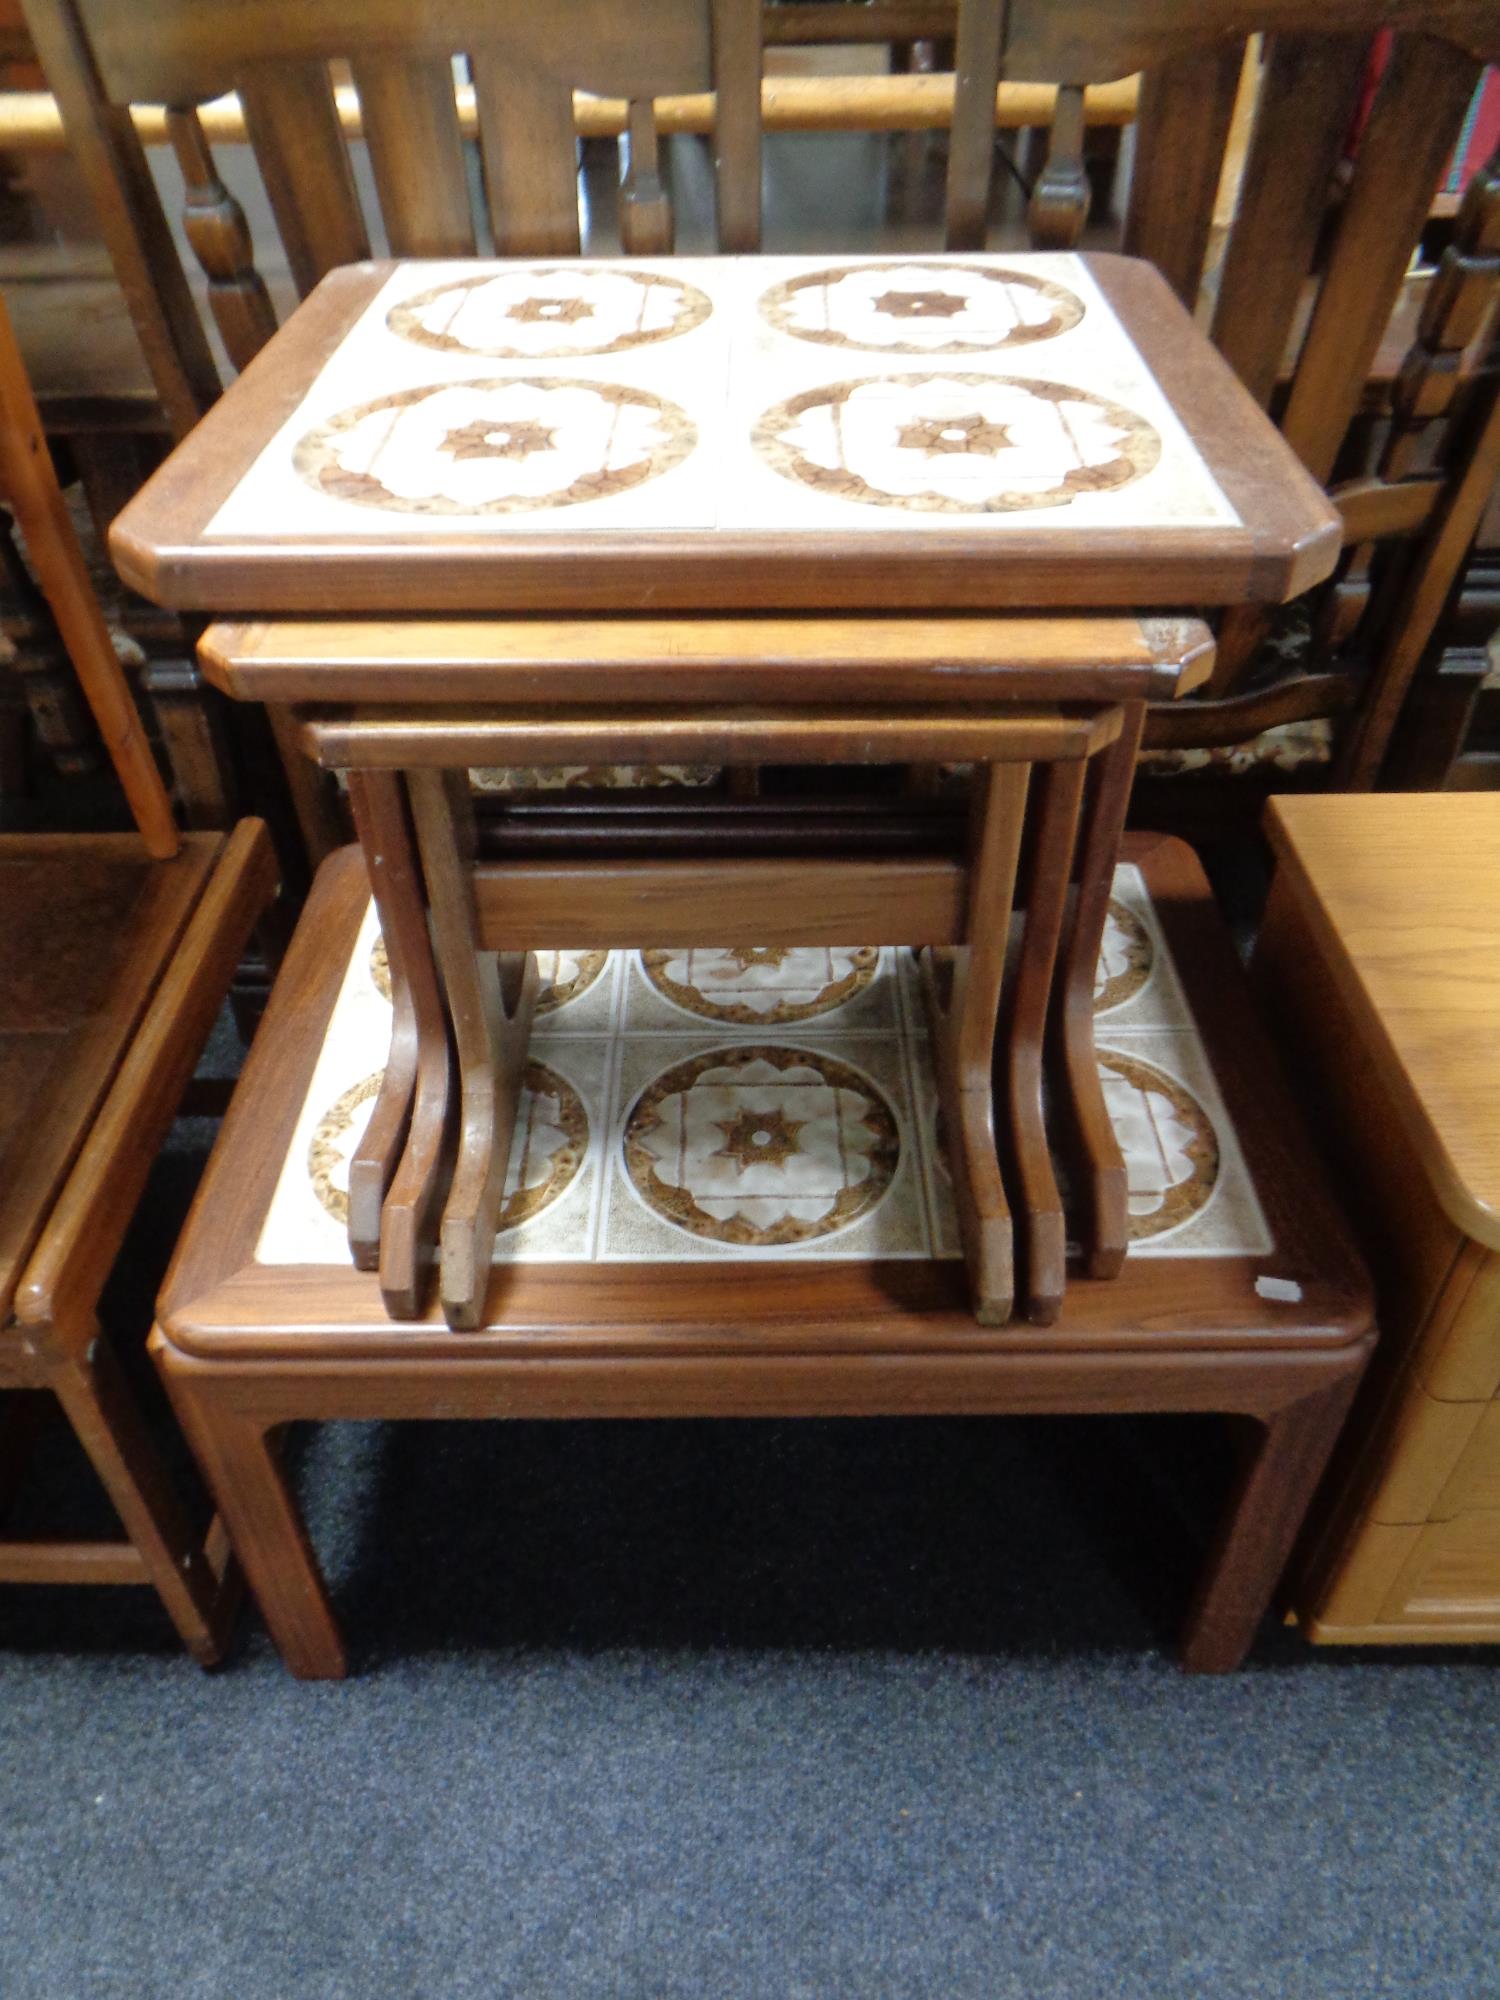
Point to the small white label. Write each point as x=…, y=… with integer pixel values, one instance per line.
x=1285, y=1290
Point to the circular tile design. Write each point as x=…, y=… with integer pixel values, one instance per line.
x=1126, y=957
x=335, y=1141
x=547, y=1149
x=501, y=447
x=561, y=975
x=955, y=443
x=1170, y=1147
x=760, y=985
x=921, y=308
x=761, y=1146
x=534, y=312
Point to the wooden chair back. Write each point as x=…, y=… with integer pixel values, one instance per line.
x=1310, y=278
x=525, y=64
x=29, y=488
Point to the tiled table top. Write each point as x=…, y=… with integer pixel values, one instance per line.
x=713, y=1105
x=754, y=393
x=1021, y=408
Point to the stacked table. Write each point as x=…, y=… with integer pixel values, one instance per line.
x=738, y=478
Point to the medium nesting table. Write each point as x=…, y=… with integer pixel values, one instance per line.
x=730, y=474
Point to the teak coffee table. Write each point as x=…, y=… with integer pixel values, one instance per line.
x=731, y=475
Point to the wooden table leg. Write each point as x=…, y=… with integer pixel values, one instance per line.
x=378, y=806
x=961, y=988
x=1252, y=1547
x=99, y=1405
x=398, y=1174
x=1093, y=1152
x=490, y=1005
x=242, y=1467
x=1043, y=1231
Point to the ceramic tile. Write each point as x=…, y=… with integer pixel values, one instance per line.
x=804, y=1145
x=736, y=393
x=716, y=1105
x=843, y=990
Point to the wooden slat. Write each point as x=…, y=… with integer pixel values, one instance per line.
x=215, y=226
x=45, y=1560
x=381, y=740
x=874, y=21
x=971, y=151
x=1375, y=508
x=608, y=905
x=737, y=122
x=29, y=486
x=293, y=126
x=530, y=154
x=410, y=122
x=1407, y=143
x=645, y=212
x=1059, y=203
x=1186, y=107
x=135, y=228
x=1307, y=95
x=30, y=121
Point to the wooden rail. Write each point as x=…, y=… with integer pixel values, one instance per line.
x=31, y=123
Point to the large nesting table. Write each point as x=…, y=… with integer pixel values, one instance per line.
x=563, y=517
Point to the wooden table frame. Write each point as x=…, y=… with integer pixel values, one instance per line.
x=246, y=1348
x=959, y=910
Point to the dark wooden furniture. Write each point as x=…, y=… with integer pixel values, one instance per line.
x=1381, y=953
x=1175, y=489
x=118, y=953
x=1310, y=278
x=1278, y=1339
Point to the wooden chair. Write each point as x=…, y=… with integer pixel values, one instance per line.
x=119, y=951
x=1304, y=296
x=526, y=64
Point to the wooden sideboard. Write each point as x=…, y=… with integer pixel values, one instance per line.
x=1380, y=957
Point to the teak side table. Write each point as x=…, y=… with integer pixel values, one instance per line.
x=1381, y=952
x=1269, y=1325
x=661, y=449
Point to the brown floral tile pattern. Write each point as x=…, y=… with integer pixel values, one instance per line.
x=534, y=312
x=761, y=1144
x=652, y=1131
x=921, y=307
x=955, y=443
x=761, y=985
x=508, y=446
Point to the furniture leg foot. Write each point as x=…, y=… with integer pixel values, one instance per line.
x=99, y=1405
x=1272, y=1490
x=262, y=1521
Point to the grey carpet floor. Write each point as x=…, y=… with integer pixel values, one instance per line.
x=759, y=1710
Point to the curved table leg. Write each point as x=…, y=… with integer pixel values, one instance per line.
x=491, y=1028
x=1094, y=1152
x=1045, y=1232
x=961, y=988
x=379, y=810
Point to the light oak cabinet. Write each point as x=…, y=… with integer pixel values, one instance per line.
x=1380, y=954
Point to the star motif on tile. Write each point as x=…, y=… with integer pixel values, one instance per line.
x=550, y=312
x=493, y=437
x=919, y=305
x=759, y=1138
x=936, y=436
x=746, y=955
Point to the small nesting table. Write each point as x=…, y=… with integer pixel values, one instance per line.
x=564, y=516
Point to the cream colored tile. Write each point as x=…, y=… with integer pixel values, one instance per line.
x=759, y=990
x=755, y=1149
x=752, y=394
